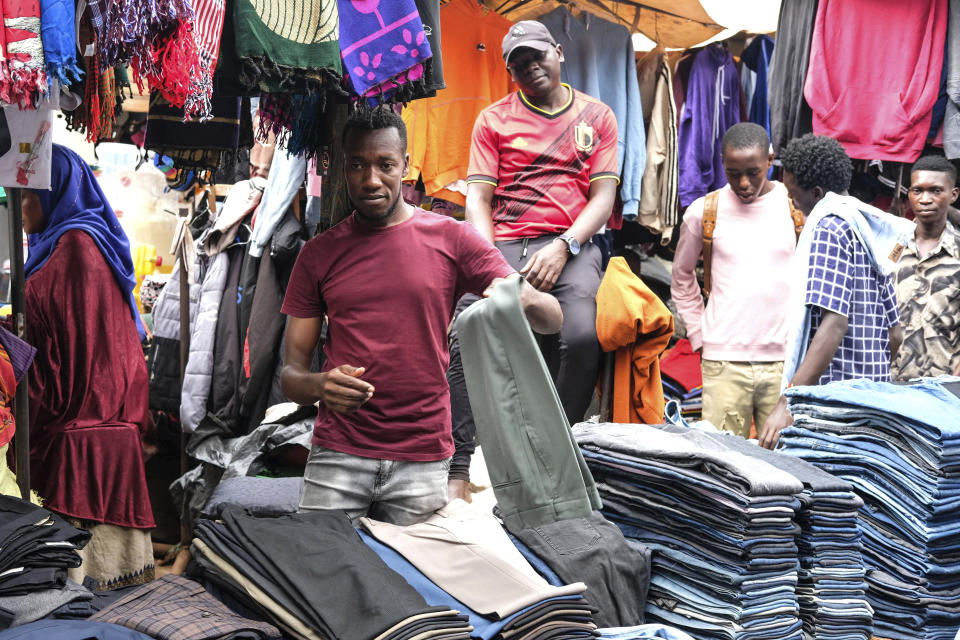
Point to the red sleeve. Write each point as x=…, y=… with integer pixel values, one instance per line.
x=484, y=153
x=303, y=298
x=479, y=262
x=603, y=162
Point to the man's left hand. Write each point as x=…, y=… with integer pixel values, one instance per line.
x=544, y=267
x=779, y=420
x=458, y=489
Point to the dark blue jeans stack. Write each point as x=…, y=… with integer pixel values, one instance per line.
x=721, y=525
x=831, y=590
x=899, y=446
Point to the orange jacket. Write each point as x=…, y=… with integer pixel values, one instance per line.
x=632, y=321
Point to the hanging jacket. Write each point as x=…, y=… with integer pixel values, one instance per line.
x=599, y=60
x=633, y=322
x=951, y=122
x=165, y=352
x=658, y=200
x=712, y=106
x=874, y=74
x=203, y=329
x=224, y=398
x=757, y=57
x=790, y=115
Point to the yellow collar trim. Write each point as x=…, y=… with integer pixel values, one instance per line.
x=544, y=111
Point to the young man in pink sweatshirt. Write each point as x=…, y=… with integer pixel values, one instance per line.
x=741, y=330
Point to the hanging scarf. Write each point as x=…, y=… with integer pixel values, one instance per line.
x=127, y=29
x=184, y=62
x=58, y=24
x=379, y=41
x=22, y=74
x=209, y=28
x=196, y=146
x=282, y=41
x=102, y=91
x=75, y=201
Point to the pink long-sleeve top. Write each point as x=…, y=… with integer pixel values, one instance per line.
x=745, y=317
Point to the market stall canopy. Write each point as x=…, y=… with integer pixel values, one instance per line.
x=670, y=23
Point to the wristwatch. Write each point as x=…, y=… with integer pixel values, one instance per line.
x=573, y=245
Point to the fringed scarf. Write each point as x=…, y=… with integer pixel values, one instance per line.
x=127, y=29
x=382, y=44
x=287, y=44
x=102, y=93
x=58, y=31
x=184, y=61
x=22, y=75
x=196, y=146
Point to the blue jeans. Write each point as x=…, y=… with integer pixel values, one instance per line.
x=394, y=491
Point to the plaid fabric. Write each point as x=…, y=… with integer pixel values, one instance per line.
x=928, y=291
x=841, y=279
x=177, y=608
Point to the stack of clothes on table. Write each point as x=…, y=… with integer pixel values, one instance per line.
x=721, y=525
x=682, y=379
x=899, y=446
x=463, y=559
x=37, y=548
x=312, y=575
x=831, y=591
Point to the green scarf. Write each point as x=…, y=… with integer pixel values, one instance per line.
x=280, y=40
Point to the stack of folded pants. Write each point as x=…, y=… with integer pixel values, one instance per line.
x=592, y=550
x=721, y=525
x=899, y=446
x=311, y=574
x=831, y=591
x=462, y=558
x=36, y=549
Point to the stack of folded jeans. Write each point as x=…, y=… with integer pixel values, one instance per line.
x=899, y=446
x=831, y=591
x=721, y=526
x=462, y=558
x=311, y=575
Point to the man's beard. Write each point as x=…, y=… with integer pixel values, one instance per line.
x=378, y=219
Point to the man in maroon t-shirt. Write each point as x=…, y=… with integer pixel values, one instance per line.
x=387, y=279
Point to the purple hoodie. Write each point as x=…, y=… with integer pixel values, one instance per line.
x=712, y=106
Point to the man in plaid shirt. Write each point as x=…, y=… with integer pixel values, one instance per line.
x=854, y=324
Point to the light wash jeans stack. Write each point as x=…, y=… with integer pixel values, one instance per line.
x=899, y=446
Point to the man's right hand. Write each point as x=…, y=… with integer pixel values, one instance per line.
x=341, y=389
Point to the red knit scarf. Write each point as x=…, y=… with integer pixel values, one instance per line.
x=22, y=74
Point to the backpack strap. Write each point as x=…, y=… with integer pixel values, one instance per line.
x=710, y=204
x=797, y=217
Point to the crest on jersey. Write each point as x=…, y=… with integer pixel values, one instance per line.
x=583, y=137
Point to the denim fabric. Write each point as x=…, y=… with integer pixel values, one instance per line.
x=645, y=632
x=756, y=478
x=899, y=447
x=396, y=491
x=722, y=527
x=827, y=582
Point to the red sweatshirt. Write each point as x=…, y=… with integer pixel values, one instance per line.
x=874, y=74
